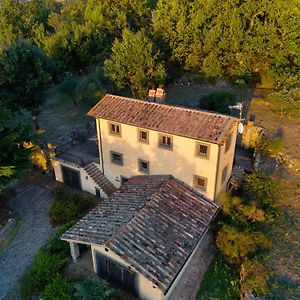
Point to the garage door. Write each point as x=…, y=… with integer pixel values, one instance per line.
x=71, y=177
x=116, y=273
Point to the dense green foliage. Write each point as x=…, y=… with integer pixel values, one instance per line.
x=133, y=63
x=15, y=134
x=219, y=282
x=60, y=288
x=94, y=289
x=68, y=206
x=48, y=262
x=242, y=235
x=25, y=72
x=242, y=40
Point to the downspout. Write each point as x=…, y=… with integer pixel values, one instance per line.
x=100, y=143
x=217, y=172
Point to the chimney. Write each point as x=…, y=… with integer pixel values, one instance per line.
x=157, y=95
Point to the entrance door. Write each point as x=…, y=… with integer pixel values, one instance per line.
x=116, y=273
x=97, y=190
x=123, y=179
x=71, y=177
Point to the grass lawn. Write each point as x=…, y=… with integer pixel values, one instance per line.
x=220, y=282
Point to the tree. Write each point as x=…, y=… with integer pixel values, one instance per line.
x=25, y=72
x=133, y=63
x=21, y=20
x=16, y=133
x=83, y=31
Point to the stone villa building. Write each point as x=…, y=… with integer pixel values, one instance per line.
x=159, y=170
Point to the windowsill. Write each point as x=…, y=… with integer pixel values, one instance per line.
x=115, y=134
x=165, y=147
x=117, y=164
x=144, y=142
x=203, y=156
x=200, y=189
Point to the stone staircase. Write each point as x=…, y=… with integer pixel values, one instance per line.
x=100, y=179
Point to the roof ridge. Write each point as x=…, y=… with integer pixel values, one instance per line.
x=171, y=105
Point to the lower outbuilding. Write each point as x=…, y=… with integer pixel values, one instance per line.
x=143, y=237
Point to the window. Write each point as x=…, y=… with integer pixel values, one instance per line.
x=200, y=183
x=115, y=129
x=202, y=150
x=224, y=174
x=165, y=142
x=228, y=142
x=116, y=158
x=143, y=166
x=143, y=136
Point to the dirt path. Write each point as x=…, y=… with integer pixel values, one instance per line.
x=188, y=286
x=32, y=206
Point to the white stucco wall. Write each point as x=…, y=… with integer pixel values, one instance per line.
x=226, y=159
x=87, y=183
x=145, y=288
x=180, y=162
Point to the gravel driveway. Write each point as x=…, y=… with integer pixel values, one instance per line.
x=32, y=206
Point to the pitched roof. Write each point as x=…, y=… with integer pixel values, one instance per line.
x=152, y=222
x=192, y=123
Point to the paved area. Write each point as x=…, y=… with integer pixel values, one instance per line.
x=32, y=206
x=191, y=279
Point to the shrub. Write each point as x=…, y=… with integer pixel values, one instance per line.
x=94, y=289
x=91, y=88
x=218, y=101
x=286, y=101
x=261, y=188
x=48, y=262
x=268, y=146
x=57, y=246
x=219, y=282
x=68, y=207
x=60, y=288
x=237, y=245
x=254, y=277
x=44, y=268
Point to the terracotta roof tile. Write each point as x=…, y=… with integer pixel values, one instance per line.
x=152, y=222
x=192, y=123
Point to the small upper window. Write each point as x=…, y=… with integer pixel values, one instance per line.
x=228, y=142
x=200, y=183
x=166, y=142
x=115, y=129
x=202, y=150
x=143, y=166
x=143, y=136
x=224, y=174
x=116, y=158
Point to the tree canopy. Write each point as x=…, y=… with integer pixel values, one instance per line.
x=134, y=63
x=16, y=135
x=241, y=40
x=25, y=72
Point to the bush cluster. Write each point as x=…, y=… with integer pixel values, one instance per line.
x=68, y=207
x=49, y=261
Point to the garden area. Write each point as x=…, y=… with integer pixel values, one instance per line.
x=48, y=276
